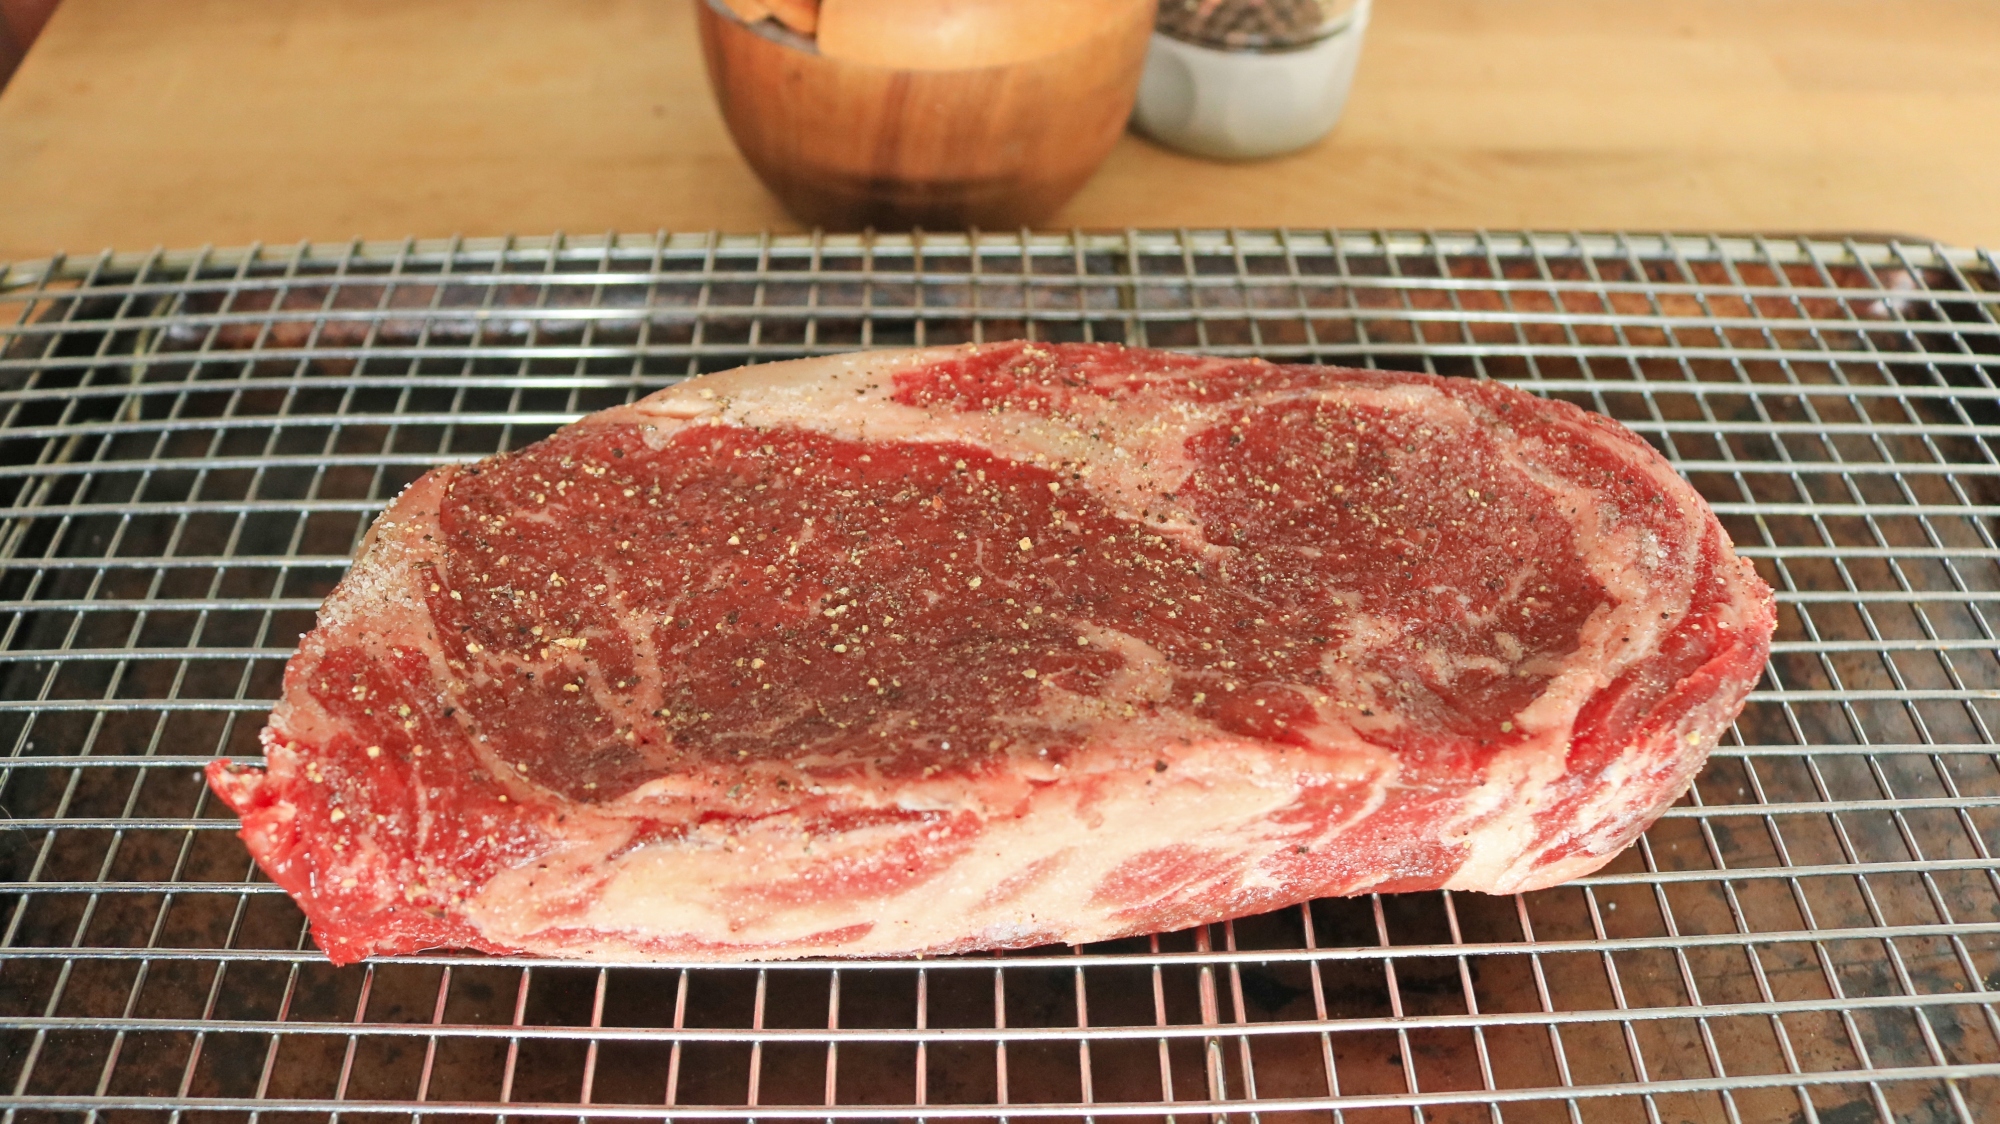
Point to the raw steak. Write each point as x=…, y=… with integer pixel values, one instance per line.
x=930, y=651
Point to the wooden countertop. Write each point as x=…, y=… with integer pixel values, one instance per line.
x=135, y=123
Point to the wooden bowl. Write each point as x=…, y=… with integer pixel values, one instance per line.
x=846, y=144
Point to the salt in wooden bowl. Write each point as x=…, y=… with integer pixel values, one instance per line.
x=956, y=116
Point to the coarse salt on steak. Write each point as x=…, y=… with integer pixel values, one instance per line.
x=930, y=651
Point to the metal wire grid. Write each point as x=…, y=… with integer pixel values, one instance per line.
x=192, y=444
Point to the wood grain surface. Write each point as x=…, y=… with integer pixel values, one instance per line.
x=181, y=122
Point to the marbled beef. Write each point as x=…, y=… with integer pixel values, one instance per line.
x=929, y=651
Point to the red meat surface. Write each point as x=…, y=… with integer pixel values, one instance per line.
x=932, y=651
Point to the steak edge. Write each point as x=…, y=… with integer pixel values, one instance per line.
x=990, y=647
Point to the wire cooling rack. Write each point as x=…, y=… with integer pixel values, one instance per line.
x=192, y=444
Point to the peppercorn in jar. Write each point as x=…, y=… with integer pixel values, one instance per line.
x=1251, y=24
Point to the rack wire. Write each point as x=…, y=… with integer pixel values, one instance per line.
x=191, y=445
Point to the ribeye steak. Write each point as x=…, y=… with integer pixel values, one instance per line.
x=929, y=651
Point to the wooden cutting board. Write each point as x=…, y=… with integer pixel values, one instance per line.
x=178, y=122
